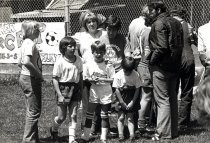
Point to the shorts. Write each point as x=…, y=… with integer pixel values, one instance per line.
x=69, y=95
x=127, y=96
x=145, y=74
x=100, y=94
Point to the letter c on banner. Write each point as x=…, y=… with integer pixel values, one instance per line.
x=8, y=38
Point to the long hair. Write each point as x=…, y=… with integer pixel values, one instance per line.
x=202, y=98
x=29, y=28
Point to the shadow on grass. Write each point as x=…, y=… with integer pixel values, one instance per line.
x=195, y=129
x=61, y=139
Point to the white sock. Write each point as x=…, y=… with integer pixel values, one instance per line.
x=72, y=132
x=86, y=134
x=104, y=132
x=56, y=125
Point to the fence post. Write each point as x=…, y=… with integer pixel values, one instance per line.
x=67, y=18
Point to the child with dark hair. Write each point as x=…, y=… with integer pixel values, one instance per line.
x=100, y=76
x=68, y=83
x=127, y=83
x=115, y=42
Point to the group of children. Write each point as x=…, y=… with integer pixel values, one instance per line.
x=69, y=73
x=67, y=80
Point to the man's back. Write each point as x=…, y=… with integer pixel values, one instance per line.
x=136, y=28
x=166, y=41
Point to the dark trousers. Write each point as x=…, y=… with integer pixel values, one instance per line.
x=187, y=78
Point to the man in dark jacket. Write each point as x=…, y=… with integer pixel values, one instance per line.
x=166, y=43
x=187, y=70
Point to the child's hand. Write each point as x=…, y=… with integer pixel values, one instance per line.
x=130, y=105
x=60, y=98
x=94, y=80
x=123, y=105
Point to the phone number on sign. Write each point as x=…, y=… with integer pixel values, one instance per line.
x=8, y=56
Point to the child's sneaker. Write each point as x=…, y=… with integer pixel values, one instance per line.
x=103, y=141
x=53, y=134
x=156, y=137
x=121, y=139
x=132, y=140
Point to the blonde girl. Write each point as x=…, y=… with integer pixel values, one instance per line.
x=31, y=79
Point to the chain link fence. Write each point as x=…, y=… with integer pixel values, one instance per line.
x=127, y=10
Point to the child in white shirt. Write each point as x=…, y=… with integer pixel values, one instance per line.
x=68, y=83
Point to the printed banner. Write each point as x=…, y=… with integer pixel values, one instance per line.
x=11, y=40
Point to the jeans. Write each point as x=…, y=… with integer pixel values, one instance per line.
x=165, y=96
x=32, y=90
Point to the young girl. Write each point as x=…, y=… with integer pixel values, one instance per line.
x=31, y=79
x=100, y=76
x=127, y=84
x=67, y=80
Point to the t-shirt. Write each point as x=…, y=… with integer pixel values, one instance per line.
x=67, y=71
x=100, y=70
x=144, y=41
x=28, y=48
x=114, y=49
x=121, y=80
x=136, y=28
x=84, y=41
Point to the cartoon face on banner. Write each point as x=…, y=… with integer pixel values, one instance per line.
x=11, y=40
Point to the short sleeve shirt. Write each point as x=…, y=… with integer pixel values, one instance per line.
x=67, y=71
x=100, y=70
x=114, y=49
x=28, y=48
x=121, y=80
x=84, y=40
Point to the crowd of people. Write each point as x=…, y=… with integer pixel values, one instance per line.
x=137, y=76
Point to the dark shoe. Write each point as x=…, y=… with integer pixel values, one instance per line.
x=53, y=134
x=113, y=133
x=82, y=141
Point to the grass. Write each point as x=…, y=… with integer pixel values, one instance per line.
x=12, y=118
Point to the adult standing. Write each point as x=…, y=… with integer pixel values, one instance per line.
x=204, y=46
x=84, y=39
x=187, y=70
x=139, y=30
x=166, y=43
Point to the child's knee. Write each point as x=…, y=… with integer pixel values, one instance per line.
x=121, y=118
x=73, y=117
x=60, y=119
x=104, y=115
